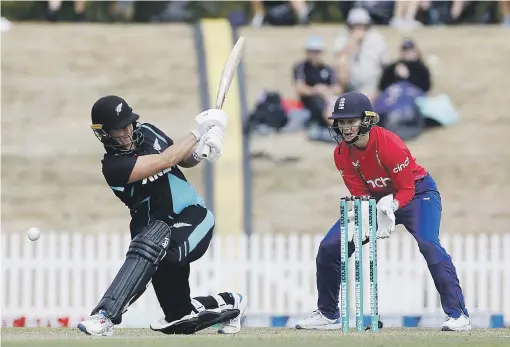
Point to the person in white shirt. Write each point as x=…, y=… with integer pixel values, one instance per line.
x=360, y=54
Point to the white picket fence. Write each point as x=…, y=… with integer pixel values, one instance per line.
x=64, y=274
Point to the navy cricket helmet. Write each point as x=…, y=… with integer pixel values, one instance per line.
x=113, y=112
x=352, y=105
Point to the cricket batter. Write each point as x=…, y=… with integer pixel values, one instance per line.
x=375, y=162
x=170, y=226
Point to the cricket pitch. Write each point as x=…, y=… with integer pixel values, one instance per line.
x=256, y=337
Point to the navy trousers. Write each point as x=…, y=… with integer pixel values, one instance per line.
x=422, y=218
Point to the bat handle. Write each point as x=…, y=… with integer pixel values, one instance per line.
x=206, y=151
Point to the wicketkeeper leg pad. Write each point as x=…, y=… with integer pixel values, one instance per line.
x=145, y=252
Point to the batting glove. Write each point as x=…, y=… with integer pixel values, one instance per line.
x=209, y=118
x=214, y=139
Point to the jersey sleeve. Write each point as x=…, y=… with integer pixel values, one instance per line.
x=396, y=159
x=351, y=177
x=168, y=139
x=159, y=133
x=117, y=169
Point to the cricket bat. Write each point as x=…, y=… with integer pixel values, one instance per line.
x=227, y=75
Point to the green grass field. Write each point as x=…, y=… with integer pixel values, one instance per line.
x=257, y=337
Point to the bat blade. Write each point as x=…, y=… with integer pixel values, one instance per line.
x=227, y=75
x=228, y=72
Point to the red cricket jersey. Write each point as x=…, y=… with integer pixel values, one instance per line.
x=384, y=167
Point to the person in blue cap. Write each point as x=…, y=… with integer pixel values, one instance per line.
x=315, y=83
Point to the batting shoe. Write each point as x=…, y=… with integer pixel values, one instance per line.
x=97, y=325
x=457, y=324
x=233, y=326
x=318, y=321
x=194, y=322
x=186, y=325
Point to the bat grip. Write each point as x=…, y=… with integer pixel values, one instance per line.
x=206, y=151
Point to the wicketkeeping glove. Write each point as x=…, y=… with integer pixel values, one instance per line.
x=386, y=208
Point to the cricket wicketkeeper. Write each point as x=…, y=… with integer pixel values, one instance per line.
x=170, y=226
x=375, y=162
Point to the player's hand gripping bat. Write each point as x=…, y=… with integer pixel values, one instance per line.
x=229, y=70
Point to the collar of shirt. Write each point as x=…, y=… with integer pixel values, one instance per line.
x=370, y=145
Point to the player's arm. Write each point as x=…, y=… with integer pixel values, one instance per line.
x=342, y=61
x=190, y=160
x=123, y=170
x=149, y=165
x=211, y=123
x=397, y=161
x=351, y=177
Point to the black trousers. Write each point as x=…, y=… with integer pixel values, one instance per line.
x=192, y=232
x=316, y=105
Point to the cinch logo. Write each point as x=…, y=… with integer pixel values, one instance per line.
x=379, y=182
x=402, y=166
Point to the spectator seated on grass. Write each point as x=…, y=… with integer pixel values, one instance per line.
x=380, y=11
x=54, y=7
x=360, y=54
x=292, y=12
x=505, y=12
x=404, y=15
x=408, y=67
x=315, y=83
x=403, y=104
x=449, y=12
